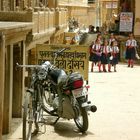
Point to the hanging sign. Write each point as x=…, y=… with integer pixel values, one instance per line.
x=126, y=22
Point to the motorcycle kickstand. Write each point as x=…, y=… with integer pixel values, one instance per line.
x=56, y=120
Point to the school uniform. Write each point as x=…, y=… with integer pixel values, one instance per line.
x=115, y=54
x=106, y=53
x=130, y=49
x=111, y=40
x=96, y=56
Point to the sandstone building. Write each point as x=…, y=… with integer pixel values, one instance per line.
x=25, y=23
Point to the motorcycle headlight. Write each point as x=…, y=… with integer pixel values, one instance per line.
x=42, y=73
x=46, y=65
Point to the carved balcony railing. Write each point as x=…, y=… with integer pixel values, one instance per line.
x=43, y=19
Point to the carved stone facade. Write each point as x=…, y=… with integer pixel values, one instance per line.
x=5, y=5
x=8, y=5
x=23, y=24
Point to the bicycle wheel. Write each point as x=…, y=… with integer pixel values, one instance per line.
x=27, y=117
x=37, y=108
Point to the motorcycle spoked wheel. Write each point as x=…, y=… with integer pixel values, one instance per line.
x=81, y=119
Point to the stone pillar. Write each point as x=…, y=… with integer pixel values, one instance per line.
x=12, y=5
x=46, y=3
x=2, y=78
x=5, y=5
x=36, y=3
x=57, y=17
x=7, y=107
x=137, y=18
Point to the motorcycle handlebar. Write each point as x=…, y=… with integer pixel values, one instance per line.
x=28, y=66
x=62, y=50
x=44, y=65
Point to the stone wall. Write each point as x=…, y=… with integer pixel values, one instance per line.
x=16, y=16
x=5, y=5
x=41, y=19
x=137, y=18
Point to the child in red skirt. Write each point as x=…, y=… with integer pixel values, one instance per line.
x=96, y=55
x=131, y=45
x=105, y=58
x=114, y=54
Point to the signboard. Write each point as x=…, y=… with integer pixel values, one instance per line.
x=74, y=59
x=126, y=22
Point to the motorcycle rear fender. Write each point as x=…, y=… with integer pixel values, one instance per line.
x=83, y=102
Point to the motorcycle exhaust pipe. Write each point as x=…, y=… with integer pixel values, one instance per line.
x=92, y=108
x=89, y=107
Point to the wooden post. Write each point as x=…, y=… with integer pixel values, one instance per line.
x=7, y=112
x=17, y=84
x=2, y=78
x=23, y=71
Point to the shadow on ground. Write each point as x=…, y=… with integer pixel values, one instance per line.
x=64, y=128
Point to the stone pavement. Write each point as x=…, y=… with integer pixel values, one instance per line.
x=117, y=96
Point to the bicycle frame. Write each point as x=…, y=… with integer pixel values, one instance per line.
x=32, y=108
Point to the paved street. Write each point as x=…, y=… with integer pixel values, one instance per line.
x=117, y=96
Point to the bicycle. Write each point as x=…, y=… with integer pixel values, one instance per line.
x=33, y=101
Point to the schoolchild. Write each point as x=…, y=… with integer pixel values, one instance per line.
x=105, y=35
x=91, y=29
x=112, y=38
x=131, y=45
x=98, y=30
x=99, y=37
x=105, y=58
x=96, y=55
x=114, y=54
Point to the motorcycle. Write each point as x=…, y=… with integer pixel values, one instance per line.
x=65, y=95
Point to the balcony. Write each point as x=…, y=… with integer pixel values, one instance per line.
x=46, y=22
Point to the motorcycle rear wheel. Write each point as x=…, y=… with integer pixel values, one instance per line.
x=81, y=120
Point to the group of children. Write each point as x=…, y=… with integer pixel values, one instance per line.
x=104, y=53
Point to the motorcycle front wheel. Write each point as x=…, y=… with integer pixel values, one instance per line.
x=48, y=98
x=81, y=119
